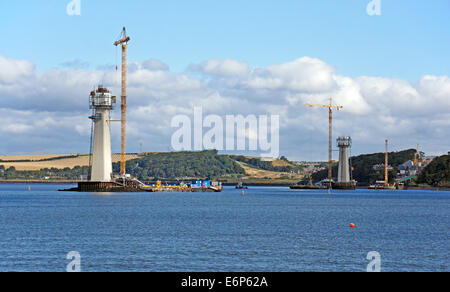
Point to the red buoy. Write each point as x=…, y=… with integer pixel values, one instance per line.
x=352, y=225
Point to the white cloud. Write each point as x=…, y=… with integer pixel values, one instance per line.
x=350, y=97
x=437, y=88
x=13, y=128
x=303, y=75
x=12, y=70
x=150, y=64
x=48, y=111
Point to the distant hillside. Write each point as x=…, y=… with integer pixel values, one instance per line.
x=364, y=173
x=149, y=166
x=60, y=162
x=278, y=165
x=173, y=165
x=437, y=173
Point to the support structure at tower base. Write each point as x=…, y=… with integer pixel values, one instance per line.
x=344, y=186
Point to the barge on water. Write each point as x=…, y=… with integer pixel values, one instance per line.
x=134, y=186
x=240, y=186
x=323, y=185
x=309, y=186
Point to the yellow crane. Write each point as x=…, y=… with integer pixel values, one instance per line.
x=387, y=186
x=330, y=108
x=123, y=146
x=386, y=165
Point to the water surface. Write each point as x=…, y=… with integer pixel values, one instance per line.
x=267, y=230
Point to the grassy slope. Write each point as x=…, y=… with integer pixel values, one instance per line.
x=38, y=162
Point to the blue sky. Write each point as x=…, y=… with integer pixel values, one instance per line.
x=411, y=37
x=390, y=72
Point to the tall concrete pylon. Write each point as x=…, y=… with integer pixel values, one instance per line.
x=344, y=143
x=102, y=102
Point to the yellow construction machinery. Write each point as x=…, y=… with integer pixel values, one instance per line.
x=385, y=185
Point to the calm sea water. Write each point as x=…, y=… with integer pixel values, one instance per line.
x=267, y=230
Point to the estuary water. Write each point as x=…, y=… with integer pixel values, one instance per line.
x=267, y=230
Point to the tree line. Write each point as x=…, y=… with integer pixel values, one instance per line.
x=179, y=165
x=437, y=173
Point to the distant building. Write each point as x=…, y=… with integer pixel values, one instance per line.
x=407, y=169
x=407, y=165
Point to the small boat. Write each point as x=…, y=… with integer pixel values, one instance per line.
x=382, y=187
x=240, y=186
x=310, y=186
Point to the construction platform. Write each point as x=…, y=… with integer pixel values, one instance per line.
x=344, y=186
x=384, y=187
x=326, y=185
x=133, y=186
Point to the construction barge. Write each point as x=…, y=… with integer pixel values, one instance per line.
x=325, y=186
x=135, y=186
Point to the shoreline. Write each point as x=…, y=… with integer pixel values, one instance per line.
x=228, y=184
x=36, y=182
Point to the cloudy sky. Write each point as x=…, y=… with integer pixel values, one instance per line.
x=390, y=72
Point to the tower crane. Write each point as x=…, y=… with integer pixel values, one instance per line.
x=330, y=108
x=386, y=165
x=124, y=42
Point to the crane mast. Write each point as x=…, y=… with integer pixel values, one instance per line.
x=123, y=150
x=330, y=108
x=386, y=165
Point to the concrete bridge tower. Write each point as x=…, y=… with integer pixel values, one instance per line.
x=344, y=143
x=102, y=102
